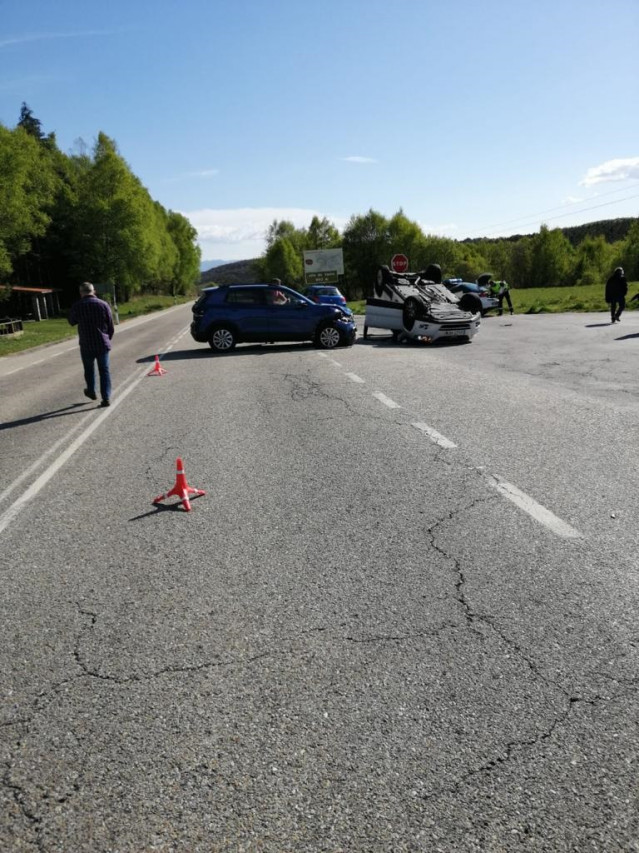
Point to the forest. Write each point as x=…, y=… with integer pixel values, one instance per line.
x=68, y=218
x=545, y=259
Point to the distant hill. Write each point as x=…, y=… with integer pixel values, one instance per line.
x=208, y=265
x=237, y=272
x=611, y=230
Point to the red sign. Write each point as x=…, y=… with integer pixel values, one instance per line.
x=399, y=263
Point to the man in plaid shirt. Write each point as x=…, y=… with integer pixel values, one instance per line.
x=93, y=318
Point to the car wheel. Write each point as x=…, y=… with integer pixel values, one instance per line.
x=410, y=312
x=327, y=337
x=383, y=275
x=470, y=302
x=222, y=339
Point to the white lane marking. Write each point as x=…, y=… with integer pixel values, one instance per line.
x=322, y=355
x=386, y=400
x=356, y=378
x=12, y=511
x=45, y=456
x=336, y=363
x=536, y=511
x=435, y=436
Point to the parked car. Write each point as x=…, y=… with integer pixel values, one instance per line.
x=327, y=294
x=417, y=306
x=458, y=286
x=230, y=314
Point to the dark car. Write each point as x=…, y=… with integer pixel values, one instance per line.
x=459, y=286
x=230, y=314
x=327, y=294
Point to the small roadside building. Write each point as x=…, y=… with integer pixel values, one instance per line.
x=30, y=303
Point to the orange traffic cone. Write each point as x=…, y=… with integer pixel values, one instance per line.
x=181, y=489
x=157, y=370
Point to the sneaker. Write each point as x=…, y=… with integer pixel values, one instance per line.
x=105, y=403
x=90, y=394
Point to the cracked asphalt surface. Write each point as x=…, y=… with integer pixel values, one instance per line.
x=352, y=642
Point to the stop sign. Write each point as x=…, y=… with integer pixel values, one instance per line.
x=399, y=263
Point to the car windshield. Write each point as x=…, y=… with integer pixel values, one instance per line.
x=326, y=291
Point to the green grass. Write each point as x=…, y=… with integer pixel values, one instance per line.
x=58, y=329
x=552, y=300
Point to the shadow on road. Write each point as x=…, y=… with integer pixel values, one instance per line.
x=628, y=337
x=174, y=507
x=597, y=325
x=45, y=416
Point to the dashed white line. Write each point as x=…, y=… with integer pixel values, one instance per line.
x=386, y=400
x=535, y=510
x=435, y=436
x=355, y=378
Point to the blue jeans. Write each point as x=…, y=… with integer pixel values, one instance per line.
x=102, y=358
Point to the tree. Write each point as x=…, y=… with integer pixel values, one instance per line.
x=27, y=188
x=187, y=268
x=593, y=258
x=283, y=261
x=115, y=224
x=322, y=234
x=366, y=243
x=551, y=258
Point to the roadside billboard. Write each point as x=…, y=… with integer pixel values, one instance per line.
x=323, y=266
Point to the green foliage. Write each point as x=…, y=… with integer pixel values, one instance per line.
x=27, y=188
x=551, y=256
x=68, y=218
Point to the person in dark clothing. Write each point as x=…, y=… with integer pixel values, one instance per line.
x=616, y=290
x=93, y=318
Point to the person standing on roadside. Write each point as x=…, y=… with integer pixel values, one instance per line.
x=616, y=289
x=93, y=318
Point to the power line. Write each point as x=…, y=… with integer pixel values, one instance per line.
x=582, y=210
x=532, y=216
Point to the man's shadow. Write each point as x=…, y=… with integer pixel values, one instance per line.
x=45, y=416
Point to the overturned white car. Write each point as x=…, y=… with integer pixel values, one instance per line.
x=417, y=306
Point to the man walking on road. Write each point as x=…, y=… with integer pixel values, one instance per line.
x=616, y=289
x=93, y=318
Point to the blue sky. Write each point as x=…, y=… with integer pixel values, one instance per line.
x=476, y=118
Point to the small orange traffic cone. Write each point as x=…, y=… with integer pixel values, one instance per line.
x=157, y=369
x=181, y=489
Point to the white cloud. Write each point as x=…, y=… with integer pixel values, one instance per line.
x=571, y=199
x=239, y=233
x=612, y=170
x=359, y=159
x=446, y=229
x=46, y=36
x=203, y=173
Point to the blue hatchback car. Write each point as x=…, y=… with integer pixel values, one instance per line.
x=230, y=314
x=327, y=294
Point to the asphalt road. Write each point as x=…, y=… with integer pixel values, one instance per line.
x=403, y=617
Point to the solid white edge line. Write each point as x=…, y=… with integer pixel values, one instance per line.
x=12, y=511
x=386, y=400
x=355, y=378
x=435, y=436
x=535, y=510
